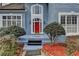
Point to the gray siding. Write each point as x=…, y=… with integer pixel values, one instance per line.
x=28, y=16
x=55, y=8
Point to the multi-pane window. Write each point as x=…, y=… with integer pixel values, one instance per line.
x=8, y=20
x=4, y=21
x=69, y=19
x=18, y=20
x=69, y=22
x=37, y=9
x=11, y=20
x=74, y=19
x=14, y=20
x=62, y=19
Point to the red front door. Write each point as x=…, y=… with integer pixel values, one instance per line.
x=37, y=27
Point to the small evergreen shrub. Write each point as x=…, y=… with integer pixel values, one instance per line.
x=17, y=31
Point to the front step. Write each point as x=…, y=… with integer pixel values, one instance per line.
x=34, y=42
x=33, y=52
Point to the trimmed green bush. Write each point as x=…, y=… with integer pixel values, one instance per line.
x=54, y=29
x=17, y=31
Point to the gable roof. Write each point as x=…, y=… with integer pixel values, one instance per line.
x=12, y=6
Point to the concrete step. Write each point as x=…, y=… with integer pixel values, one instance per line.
x=33, y=52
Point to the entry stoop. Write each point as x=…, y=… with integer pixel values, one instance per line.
x=33, y=52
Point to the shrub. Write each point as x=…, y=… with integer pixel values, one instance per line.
x=54, y=29
x=54, y=50
x=17, y=31
x=8, y=45
x=72, y=46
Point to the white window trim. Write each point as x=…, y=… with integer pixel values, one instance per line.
x=69, y=13
x=40, y=16
x=11, y=19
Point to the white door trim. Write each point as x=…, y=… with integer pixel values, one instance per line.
x=40, y=16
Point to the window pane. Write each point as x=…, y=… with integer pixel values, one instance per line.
x=4, y=17
x=9, y=17
x=14, y=23
x=74, y=19
x=4, y=22
x=40, y=10
x=13, y=17
x=14, y=20
x=18, y=17
x=9, y=23
x=19, y=23
x=38, y=19
x=36, y=9
x=63, y=19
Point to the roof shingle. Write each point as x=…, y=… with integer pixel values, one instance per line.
x=12, y=6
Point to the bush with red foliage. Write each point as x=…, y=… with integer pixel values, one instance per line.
x=76, y=53
x=54, y=49
x=59, y=44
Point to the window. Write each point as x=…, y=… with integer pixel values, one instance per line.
x=69, y=19
x=18, y=17
x=4, y=17
x=70, y=23
x=8, y=22
x=62, y=19
x=74, y=19
x=9, y=17
x=18, y=22
x=11, y=20
x=13, y=17
x=4, y=22
x=37, y=9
